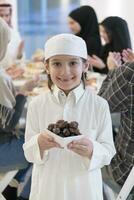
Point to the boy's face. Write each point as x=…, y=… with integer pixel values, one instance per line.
x=66, y=71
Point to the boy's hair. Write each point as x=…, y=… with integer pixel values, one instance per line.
x=50, y=83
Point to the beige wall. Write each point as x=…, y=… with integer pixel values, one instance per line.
x=121, y=8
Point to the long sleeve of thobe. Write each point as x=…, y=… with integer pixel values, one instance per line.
x=103, y=147
x=31, y=146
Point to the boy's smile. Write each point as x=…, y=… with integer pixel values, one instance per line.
x=66, y=71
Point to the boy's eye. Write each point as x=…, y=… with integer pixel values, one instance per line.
x=73, y=63
x=57, y=64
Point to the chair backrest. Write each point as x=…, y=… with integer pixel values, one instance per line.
x=1, y=197
x=128, y=185
x=5, y=180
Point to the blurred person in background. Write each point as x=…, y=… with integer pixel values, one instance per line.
x=16, y=46
x=118, y=90
x=11, y=107
x=115, y=34
x=83, y=23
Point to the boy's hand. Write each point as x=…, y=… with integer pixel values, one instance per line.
x=46, y=142
x=83, y=147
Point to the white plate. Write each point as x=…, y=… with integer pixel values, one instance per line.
x=63, y=141
x=19, y=82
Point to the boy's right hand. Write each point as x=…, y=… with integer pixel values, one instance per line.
x=46, y=142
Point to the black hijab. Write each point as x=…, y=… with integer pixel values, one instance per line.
x=87, y=19
x=117, y=30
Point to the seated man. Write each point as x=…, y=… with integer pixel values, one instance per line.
x=118, y=90
x=16, y=45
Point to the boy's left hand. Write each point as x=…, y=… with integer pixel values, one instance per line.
x=83, y=147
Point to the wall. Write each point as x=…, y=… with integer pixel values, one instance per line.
x=40, y=19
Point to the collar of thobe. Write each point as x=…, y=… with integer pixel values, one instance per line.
x=75, y=94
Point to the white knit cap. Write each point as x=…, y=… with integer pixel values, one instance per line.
x=5, y=2
x=65, y=44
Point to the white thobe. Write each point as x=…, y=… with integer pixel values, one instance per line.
x=12, y=49
x=63, y=174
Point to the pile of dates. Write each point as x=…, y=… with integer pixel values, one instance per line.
x=64, y=128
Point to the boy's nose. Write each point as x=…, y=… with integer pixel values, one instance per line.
x=65, y=69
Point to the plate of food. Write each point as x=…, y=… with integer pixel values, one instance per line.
x=33, y=68
x=64, y=132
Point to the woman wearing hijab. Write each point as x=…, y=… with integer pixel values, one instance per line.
x=11, y=107
x=83, y=23
x=115, y=33
x=117, y=38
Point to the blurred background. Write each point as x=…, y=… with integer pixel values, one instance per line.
x=39, y=20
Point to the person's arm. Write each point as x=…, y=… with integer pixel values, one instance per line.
x=18, y=109
x=96, y=62
x=20, y=50
x=11, y=106
x=95, y=153
x=103, y=146
x=31, y=146
x=115, y=89
x=105, y=83
x=16, y=45
x=37, y=143
x=11, y=116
